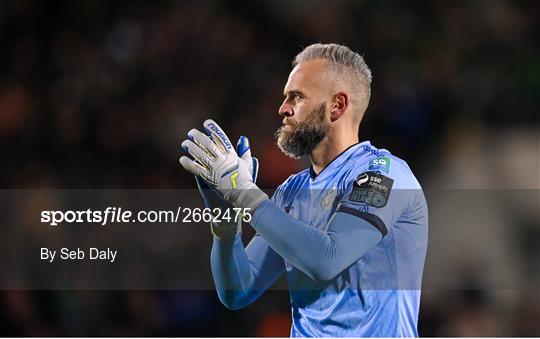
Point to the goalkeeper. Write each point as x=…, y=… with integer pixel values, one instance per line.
x=350, y=232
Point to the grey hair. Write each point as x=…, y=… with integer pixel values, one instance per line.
x=341, y=58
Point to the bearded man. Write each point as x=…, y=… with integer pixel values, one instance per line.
x=349, y=233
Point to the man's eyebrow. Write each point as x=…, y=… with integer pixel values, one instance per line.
x=292, y=92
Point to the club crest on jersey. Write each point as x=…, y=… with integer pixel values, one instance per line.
x=372, y=189
x=328, y=198
x=381, y=164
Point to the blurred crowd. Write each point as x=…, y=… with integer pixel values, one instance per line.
x=99, y=94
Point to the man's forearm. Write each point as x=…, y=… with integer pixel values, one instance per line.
x=320, y=254
x=232, y=272
x=242, y=275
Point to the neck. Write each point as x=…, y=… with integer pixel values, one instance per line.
x=329, y=148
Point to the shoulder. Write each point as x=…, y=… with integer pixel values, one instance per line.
x=382, y=162
x=402, y=174
x=381, y=183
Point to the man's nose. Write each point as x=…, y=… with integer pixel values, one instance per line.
x=285, y=110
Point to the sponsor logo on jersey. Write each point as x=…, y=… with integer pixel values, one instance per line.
x=381, y=164
x=372, y=189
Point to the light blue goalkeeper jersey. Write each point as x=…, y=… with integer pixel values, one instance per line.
x=379, y=295
x=351, y=240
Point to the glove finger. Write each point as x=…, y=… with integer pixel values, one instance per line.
x=242, y=148
x=255, y=169
x=204, y=142
x=218, y=135
x=197, y=153
x=244, y=152
x=192, y=167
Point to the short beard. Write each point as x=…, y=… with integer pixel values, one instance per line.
x=302, y=138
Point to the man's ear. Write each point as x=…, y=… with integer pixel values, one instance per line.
x=340, y=102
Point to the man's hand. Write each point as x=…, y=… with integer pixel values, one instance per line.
x=213, y=199
x=216, y=161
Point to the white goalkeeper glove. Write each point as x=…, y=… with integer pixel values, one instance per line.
x=216, y=161
x=213, y=199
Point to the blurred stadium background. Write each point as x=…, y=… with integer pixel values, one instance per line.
x=99, y=94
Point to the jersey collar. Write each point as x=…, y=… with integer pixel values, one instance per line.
x=338, y=160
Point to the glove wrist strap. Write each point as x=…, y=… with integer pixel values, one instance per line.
x=249, y=196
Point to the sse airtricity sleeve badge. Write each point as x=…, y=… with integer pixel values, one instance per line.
x=372, y=189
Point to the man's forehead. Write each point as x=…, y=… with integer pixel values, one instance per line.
x=306, y=74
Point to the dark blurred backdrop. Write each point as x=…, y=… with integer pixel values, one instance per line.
x=99, y=94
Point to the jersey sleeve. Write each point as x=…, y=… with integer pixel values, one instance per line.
x=379, y=193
